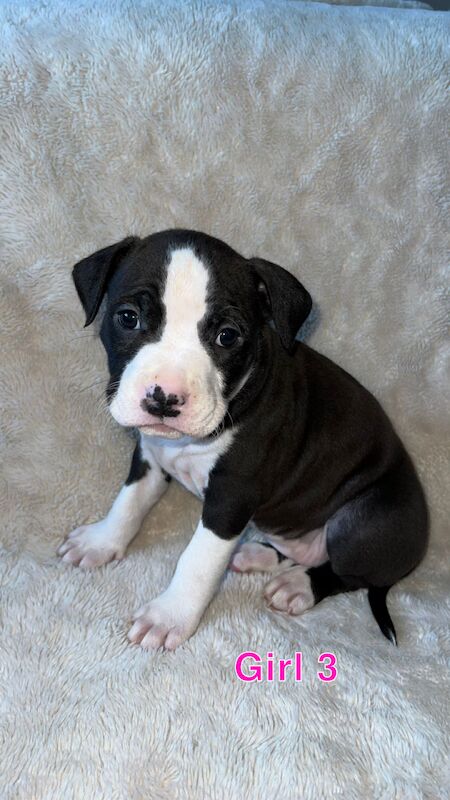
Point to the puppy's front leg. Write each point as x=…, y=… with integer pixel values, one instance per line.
x=100, y=542
x=172, y=618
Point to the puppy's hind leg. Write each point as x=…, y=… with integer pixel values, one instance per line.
x=107, y=540
x=257, y=557
x=308, y=550
x=375, y=540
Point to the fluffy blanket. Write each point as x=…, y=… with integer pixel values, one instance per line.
x=314, y=136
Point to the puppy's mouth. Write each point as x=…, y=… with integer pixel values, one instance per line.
x=160, y=429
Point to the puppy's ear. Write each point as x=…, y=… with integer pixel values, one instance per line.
x=283, y=297
x=91, y=275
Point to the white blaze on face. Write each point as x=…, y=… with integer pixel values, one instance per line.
x=178, y=362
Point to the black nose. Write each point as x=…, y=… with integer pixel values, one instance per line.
x=157, y=403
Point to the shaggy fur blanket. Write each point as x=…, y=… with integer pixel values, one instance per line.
x=314, y=136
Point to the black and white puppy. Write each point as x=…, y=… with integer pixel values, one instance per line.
x=203, y=362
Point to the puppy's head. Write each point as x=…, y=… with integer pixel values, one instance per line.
x=182, y=327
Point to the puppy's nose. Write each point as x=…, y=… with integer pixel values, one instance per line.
x=163, y=402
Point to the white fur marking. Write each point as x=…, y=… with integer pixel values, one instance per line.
x=172, y=618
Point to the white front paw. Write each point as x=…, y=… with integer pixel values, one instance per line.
x=164, y=622
x=92, y=545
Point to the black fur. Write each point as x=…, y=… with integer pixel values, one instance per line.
x=288, y=302
x=377, y=601
x=92, y=274
x=325, y=582
x=139, y=467
x=330, y=457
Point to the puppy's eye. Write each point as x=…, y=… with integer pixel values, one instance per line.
x=128, y=318
x=227, y=337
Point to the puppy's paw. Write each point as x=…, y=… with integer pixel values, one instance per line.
x=91, y=546
x=254, y=557
x=164, y=622
x=290, y=591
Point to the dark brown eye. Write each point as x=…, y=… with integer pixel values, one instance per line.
x=227, y=337
x=128, y=318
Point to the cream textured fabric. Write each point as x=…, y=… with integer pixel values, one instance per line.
x=308, y=134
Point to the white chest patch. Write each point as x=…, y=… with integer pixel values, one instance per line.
x=189, y=461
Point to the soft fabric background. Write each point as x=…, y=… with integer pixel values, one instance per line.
x=314, y=136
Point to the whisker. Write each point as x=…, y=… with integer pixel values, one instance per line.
x=231, y=419
x=91, y=385
x=102, y=406
x=219, y=430
x=83, y=335
x=101, y=410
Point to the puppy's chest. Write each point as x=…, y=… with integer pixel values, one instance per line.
x=191, y=463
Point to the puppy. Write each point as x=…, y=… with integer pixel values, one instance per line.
x=204, y=364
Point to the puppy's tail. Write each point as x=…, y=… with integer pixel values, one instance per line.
x=377, y=601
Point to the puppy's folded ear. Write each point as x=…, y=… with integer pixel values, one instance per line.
x=283, y=297
x=91, y=275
